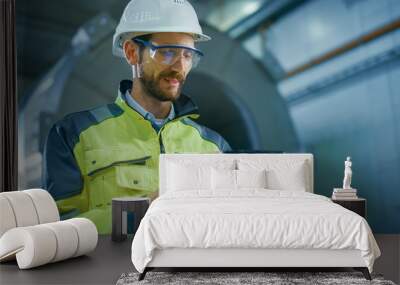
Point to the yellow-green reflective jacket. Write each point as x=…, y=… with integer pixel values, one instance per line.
x=112, y=151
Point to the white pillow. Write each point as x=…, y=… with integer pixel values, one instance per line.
x=223, y=179
x=292, y=179
x=251, y=178
x=289, y=175
x=182, y=177
x=203, y=160
x=228, y=179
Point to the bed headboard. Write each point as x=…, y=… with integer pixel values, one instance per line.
x=237, y=159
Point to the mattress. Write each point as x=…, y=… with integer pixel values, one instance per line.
x=250, y=219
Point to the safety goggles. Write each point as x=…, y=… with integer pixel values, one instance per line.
x=169, y=54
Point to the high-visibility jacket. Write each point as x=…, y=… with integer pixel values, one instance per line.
x=113, y=151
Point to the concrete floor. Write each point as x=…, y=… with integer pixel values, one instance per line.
x=102, y=266
x=106, y=264
x=389, y=262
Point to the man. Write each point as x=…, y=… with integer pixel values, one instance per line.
x=113, y=151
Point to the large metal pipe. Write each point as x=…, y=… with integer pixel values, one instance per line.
x=345, y=48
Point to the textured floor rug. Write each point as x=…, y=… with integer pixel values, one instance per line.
x=243, y=278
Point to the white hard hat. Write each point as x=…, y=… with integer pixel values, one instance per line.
x=142, y=17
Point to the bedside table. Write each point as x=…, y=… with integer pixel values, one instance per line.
x=120, y=209
x=358, y=206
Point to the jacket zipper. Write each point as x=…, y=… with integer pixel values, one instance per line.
x=162, y=147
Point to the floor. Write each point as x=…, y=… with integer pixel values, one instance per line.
x=389, y=262
x=110, y=260
x=102, y=266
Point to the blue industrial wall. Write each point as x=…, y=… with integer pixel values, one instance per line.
x=349, y=105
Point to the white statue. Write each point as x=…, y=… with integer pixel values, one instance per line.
x=348, y=173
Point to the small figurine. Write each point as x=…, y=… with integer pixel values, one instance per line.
x=348, y=173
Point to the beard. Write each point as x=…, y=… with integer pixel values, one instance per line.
x=152, y=85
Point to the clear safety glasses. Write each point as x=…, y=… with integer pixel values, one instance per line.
x=169, y=54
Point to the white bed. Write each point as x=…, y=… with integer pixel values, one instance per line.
x=201, y=220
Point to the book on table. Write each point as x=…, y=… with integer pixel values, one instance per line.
x=341, y=190
x=335, y=197
x=344, y=194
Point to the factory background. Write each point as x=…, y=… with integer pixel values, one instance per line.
x=318, y=76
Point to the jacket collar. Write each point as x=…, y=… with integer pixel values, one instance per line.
x=184, y=106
